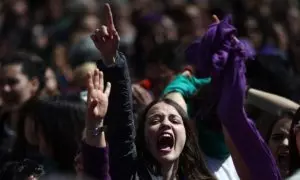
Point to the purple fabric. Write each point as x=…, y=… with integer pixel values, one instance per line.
x=214, y=43
x=153, y=17
x=270, y=50
x=222, y=58
x=249, y=46
x=96, y=162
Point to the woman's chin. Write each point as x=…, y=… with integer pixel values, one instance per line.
x=167, y=156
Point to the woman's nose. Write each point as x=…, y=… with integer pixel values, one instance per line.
x=166, y=123
x=285, y=142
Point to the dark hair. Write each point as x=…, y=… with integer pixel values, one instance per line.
x=294, y=151
x=62, y=124
x=21, y=148
x=169, y=54
x=283, y=114
x=32, y=65
x=191, y=161
x=21, y=170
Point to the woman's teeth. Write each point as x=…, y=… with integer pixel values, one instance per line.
x=165, y=135
x=165, y=142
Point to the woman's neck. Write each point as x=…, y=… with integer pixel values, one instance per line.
x=169, y=171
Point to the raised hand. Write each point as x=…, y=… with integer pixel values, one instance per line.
x=106, y=39
x=97, y=98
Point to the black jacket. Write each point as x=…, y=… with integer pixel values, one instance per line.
x=124, y=164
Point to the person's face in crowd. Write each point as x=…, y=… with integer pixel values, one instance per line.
x=170, y=28
x=19, y=7
x=282, y=36
x=165, y=30
x=50, y=81
x=165, y=133
x=254, y=34
x=293, y=18
x=279, y=143
x=160, y=76
x=198, y=20
x=55, y=9
x=264, y=8
x=15, y=87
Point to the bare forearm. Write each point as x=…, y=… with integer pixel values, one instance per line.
x=178, y=98
x=255, y=154
x=238, y=161
x=270, y=102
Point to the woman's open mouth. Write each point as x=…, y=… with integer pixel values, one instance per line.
x=165, y=142
x=283, y=158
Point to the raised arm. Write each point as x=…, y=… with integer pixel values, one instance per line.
x=269, y=102
x=94, y=149
x=174, y=94
x=223, y=59
x=183, y=87
x=245, y=138
x=119, y=118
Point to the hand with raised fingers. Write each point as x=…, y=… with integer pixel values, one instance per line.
x=97, y=99
x=106, y=38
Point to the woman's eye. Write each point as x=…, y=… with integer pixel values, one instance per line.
x=154, y=120
x=175, y=119
x=277, y=137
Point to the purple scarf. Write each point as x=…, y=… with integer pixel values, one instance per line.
x=221, y=56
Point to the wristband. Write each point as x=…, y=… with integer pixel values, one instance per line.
x=96, y=131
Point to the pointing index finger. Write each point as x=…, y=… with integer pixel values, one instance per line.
x=216, y=19
x=109, y=17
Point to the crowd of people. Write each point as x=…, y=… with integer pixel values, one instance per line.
x=149, y=89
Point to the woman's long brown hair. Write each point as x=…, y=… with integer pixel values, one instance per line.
x=191, y=161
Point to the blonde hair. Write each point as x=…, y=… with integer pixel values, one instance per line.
x=80, y=73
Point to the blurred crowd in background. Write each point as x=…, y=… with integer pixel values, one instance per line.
x=154, y=34
x=58, y=31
